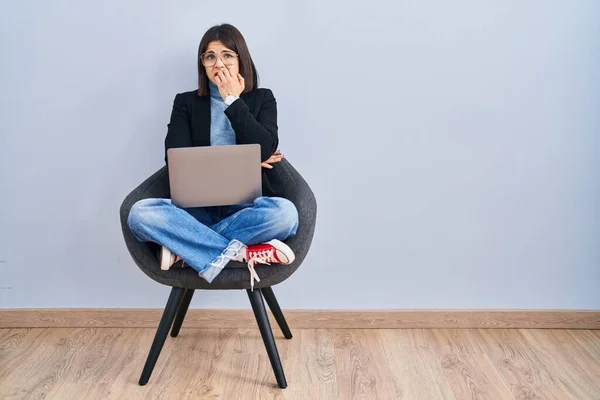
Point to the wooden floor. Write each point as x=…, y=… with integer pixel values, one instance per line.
x=105, y=363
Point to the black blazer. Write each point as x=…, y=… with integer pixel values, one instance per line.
x=253, y=118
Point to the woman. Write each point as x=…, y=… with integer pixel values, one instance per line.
x=228, y=108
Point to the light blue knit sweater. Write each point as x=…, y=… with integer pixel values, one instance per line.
x=221, y=132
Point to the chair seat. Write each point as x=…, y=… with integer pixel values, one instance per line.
x=234, y=276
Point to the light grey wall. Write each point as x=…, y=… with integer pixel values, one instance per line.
x=453, y=146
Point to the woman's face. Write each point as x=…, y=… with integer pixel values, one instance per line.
x=217, y=57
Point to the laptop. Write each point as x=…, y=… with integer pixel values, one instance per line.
x=205, y=176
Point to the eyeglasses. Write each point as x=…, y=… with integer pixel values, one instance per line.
x=210, y=59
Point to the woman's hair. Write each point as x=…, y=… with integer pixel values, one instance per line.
x=231, y=38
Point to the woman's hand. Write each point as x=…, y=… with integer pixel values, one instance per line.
x=275, y=158
x=230, y=85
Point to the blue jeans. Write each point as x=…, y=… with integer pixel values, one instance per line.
x=206, y=238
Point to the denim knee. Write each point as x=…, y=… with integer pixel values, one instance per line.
x=283, y=212
x=142, y=214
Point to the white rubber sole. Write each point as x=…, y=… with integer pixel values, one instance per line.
x=284, y=250
x=166, y=259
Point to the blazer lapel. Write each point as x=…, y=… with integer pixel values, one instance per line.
x=203, y=122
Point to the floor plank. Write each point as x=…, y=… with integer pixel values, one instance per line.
x=362, y=369
x=310, y=357
x=412, y=359
x=45, y=369
x=522, y=371
x=590, y=341
x=17, y=346
x=468, y=369
x=106, y=363
x=565, y=361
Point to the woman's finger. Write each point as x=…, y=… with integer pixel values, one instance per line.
x=229, y=76
x=274, y=159
x=265, y=165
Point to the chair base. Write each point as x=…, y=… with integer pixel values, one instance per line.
x=174, y=315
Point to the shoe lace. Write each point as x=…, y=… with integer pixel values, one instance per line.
x=259, y=257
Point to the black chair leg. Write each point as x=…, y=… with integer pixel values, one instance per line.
x=276, y=310
x=164, y=326
x=185, y=304
x=260, y=312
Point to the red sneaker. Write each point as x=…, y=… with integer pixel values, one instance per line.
x=273, y=252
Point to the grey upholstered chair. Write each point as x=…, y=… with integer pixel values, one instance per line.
x=184, y=281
